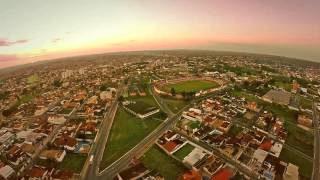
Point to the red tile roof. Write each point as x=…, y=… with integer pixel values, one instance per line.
x=266, y=145
x=169, y=146
x=222, y=174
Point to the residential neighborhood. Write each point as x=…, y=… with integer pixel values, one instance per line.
x=168, y=116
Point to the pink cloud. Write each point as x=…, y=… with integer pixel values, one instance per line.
x=4, y=42
x=4, y=57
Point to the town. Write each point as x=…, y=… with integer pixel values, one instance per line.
x=176, y=114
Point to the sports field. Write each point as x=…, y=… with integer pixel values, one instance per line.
x=184, y=151
x=192, y=86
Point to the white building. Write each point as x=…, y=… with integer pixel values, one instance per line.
x=106, y=95
x=56, y=120
x=66, y=74
x=6, y=172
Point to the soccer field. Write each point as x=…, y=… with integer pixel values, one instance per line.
x=192, y=86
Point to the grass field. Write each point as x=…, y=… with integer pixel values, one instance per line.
x=300, y=139
x=127, y=131
x=168, y=167
x=184, y=151
x=192, y=86
x=32, y=79
x=175, y=105
x=148, y=99
x=141, y=107
x=285, y=86
x=305, y=103
x=305, y=166
x=73, y=162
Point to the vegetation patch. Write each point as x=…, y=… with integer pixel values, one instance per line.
x=33, y=79
x=234, y=130
x=175, y=105
x=73, y=162
x=305, y=166
x=141, y=107
x=168, y=167
x=184, y=151
x=126, y=132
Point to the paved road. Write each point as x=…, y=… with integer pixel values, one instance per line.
x=90, y=171
x=139, y=149
x=316, y=162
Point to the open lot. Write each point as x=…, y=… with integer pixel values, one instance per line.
x=141, y=107
x=73, y=162
x=157, y=159
x=127, y=131
x=192, y=85
x=184, y=151
x=300, y=139
x=32, y=79
x=174, y=104
x=305, y=166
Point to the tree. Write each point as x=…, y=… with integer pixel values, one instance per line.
x=57, y=83
x=173, y=92
x=121, y=98
x=183, y=93
x=103, y=87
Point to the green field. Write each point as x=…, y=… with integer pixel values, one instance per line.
x=192, y=86
x=32, y=79
x=300, y=139
x=305, y=103
x=141, y=107
x=168, y=167
x=127, y=131
x=284, y=85
x=305, y=166
x=184, y=151
x=73, y=162
x=175, y=105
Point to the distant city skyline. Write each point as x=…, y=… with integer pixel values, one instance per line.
x=36, y=30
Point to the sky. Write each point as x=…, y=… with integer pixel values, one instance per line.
x=33, y=30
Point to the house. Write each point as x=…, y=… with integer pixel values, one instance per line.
x=106, y=95
x=65, y=141
x=222, y=174
x=304, y=120
x=7, y=138
x=62, y=175
x=191, y=175
x=36, y=173
x=259, y=156
x=56, y=120
x=194, y=156
x=93, y=100
x=291, y=172
x=6, y=172
x=57, y=155
x=15, y=155
x=29, y=149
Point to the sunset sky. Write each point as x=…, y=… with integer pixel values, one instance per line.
x=33, y=30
